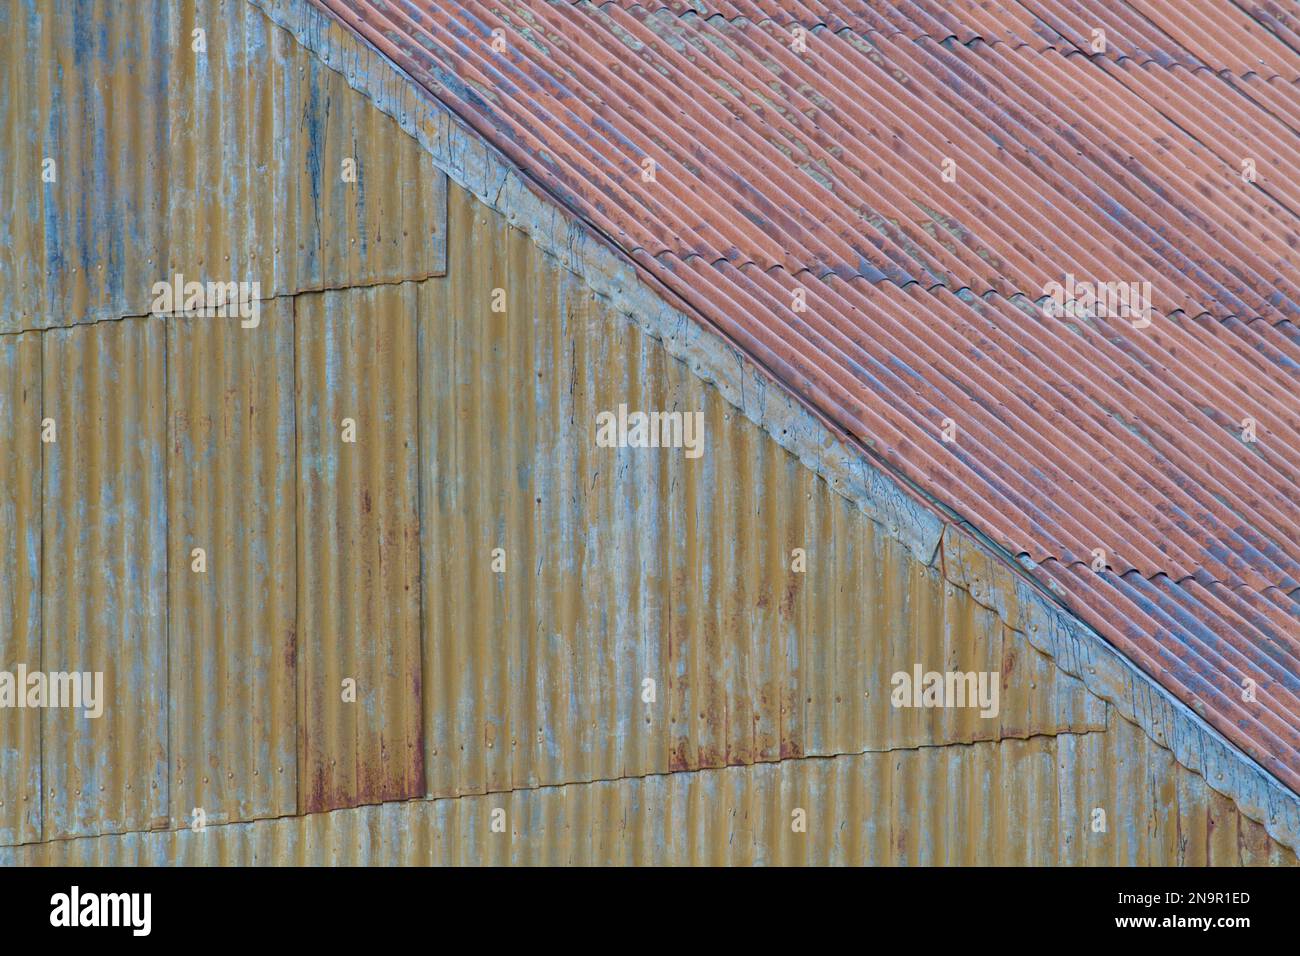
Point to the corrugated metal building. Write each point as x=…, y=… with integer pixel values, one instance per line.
x=427, y=604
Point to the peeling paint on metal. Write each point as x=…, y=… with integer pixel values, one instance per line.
x=104, y=607
x=222, y=165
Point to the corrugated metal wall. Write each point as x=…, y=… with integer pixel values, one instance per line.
x=104, y=575
x=480, y=685
x=225, y=164
x=1011, y=802
x=20, y=579
x=358, y=548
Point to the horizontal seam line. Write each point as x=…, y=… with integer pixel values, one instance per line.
x=915, y=36
x=1177, y=582
x=315, y=290
x=839, y=755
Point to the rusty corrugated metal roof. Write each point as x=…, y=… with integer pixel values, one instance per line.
x=778, y=170
x=1191, y=33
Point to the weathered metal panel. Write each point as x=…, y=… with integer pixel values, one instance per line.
x=20, y=582
x=104, y=575
x=627, y=565
x=358, y=548
x=232, y=493
x=222, y=164
x=1128, y=803
x=989, y=803
x=619, y=565
x=1212, y=35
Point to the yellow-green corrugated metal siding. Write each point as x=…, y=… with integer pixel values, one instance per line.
x=20, y=579
x=358, y=548
x=628, y=565
x=224, y=165
x=232, y=492
x=992, y=802
x=104, y=573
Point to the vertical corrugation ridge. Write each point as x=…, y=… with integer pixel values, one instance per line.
x=21, y=553
x=623, y=564
x=222, y=165
x=105, y=576
x=358, y=595
x=231, y=489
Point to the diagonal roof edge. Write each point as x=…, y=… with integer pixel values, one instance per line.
x=929, y=529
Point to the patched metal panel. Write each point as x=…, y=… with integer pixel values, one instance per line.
x=233, y=605
x=20, y=584
x=358, y=548
x=560, y=576
x=104, y=577
x=226, y=163
x=990, y=803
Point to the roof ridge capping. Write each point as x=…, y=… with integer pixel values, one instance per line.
x=967, y=558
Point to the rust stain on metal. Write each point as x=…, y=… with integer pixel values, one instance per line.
x=1013, y=802
x=351, y=646
x=622, y=567
x=359, y=686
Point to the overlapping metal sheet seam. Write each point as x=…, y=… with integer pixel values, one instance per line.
x=1188, y=34
x=857, y=809
x=478, y=166
x=543, y=96
x=830, y=380
x=21, y=486
x=134, y=156
x=1236, y=765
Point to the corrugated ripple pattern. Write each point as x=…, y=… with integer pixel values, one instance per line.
x=781, y=173
x=1215, y=35
x=358, y=548
x=104, y=608
x=224, y=163
x=233, y=617
x=20, y=579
